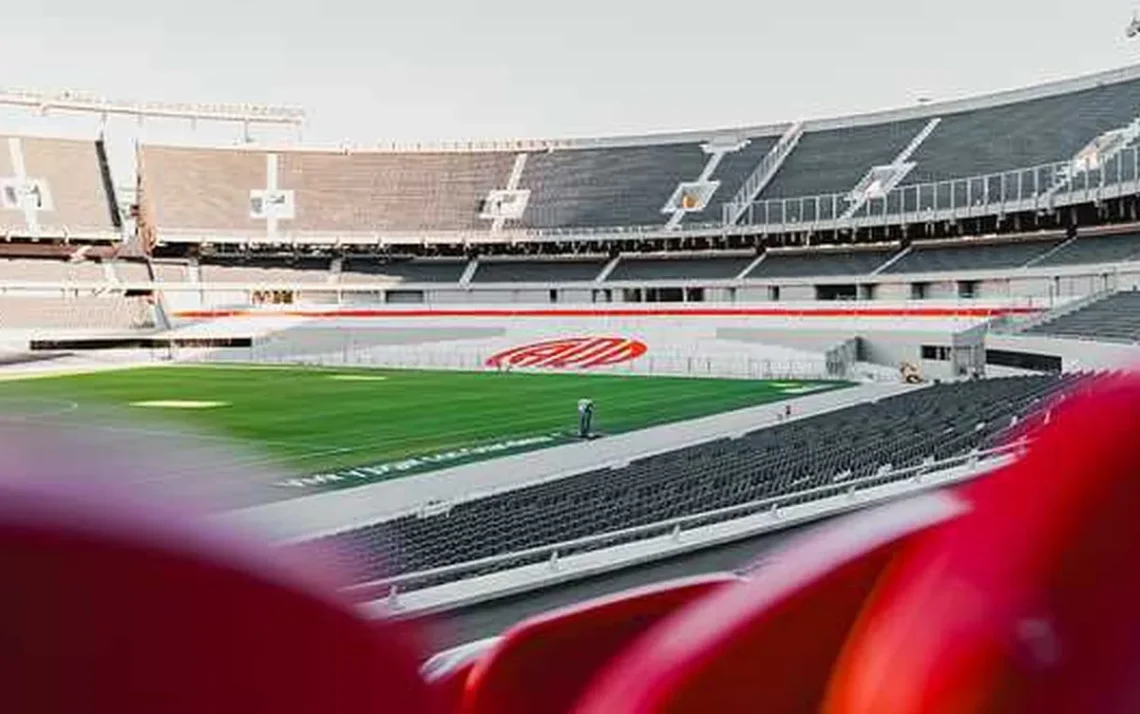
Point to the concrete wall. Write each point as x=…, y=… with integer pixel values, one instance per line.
x=780, y=339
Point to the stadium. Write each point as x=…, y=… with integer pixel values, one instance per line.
x=382, y=353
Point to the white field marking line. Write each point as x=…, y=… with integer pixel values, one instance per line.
x=178, y=404
x=68, y=407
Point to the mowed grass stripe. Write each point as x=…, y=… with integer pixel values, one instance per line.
x=303, y=416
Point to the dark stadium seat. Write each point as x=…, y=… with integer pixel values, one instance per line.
x=965, y=255
x=833, y=161
x=799, y=264
x=360, y=269
x=1114, y=318
x=591, y=188
x=1024, y=134
x=732, y=171
x=1095, y=249
x=538, y=271
x=707, y=267
x=544, y=663
x=819, y=455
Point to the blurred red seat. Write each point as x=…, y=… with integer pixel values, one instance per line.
x=543, y=664
x=1028, y=603
x=768, y=644
x=113, y=608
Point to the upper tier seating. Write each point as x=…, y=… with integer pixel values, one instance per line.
x=803, y=264
x=833, y=161
x=813, y=453
x=188, y=189
x=189, y=192
x=1115, y=318
x=1095, y=249
x=66, y=180
x=538, y=271
x=625, y=186
x=950, y=257
x=732, y=171
x=1024, y=134
x=695, y=268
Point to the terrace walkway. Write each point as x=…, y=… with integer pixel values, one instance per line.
x=331, y=511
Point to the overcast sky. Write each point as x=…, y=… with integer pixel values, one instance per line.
x=436, y=70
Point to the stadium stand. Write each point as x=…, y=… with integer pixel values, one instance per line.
x=680, y=268
x=190, y=194
x=834, y=161
x=55, y=188
x=218, y=269
x=208, y=190
x=1095, y=249
x=1114, y=318
x=733, y=169
x=1023, y=134
x=813, y=453
x=964, y=255
x=89, y=313
x=411, y=271
x=809, y=263
x=538, y=271
x=622, y=186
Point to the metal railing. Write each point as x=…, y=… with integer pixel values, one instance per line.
x=763, y=174
x=679, y=524
x=1041, y=187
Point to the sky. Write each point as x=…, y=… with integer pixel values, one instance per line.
x=433, y=70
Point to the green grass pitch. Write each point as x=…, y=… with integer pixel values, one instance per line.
x=323, y=420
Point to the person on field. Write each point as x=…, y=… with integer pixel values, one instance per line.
x=585, y=416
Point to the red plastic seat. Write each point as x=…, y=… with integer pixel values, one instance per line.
x=543, y=664
x=1028, y=604
x=767, y=645
x=446, y=673
x=111, y=607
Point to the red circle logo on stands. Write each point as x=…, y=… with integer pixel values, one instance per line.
x=571, y=353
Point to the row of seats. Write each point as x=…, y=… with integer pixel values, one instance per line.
x=1115, y=318
x=207, y=190
x=65, y=185
x=817, y=456
x=55, y=187
x=941, y=257
x=963, y=256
